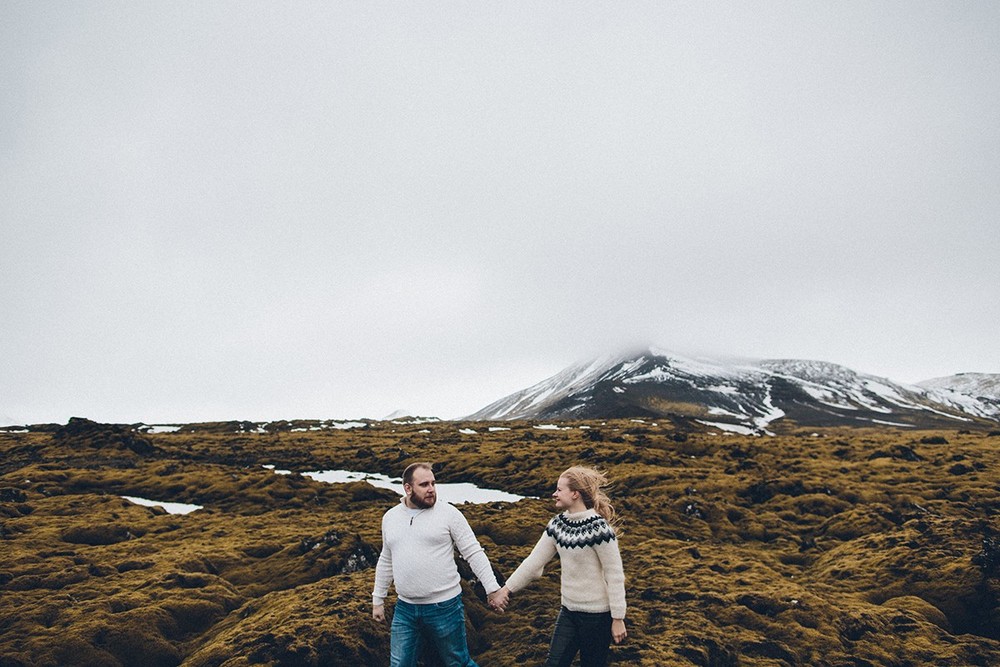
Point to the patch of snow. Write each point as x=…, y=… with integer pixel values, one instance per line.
x=658, y=374
x=160, y=428
x=346, y=425
x=773, y=413
x=494, y=429
x=731, y=428
x=724, y=412
x=467, y=431
x=618, y=390
x=629, y=367
x=881, y=421
x=344, y=476
x=453, y=493
x=889, y=393
x=171, y=508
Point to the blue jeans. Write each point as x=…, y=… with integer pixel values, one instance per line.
x=442, y=622
x=580, y=632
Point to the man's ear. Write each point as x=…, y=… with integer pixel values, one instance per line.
x=407, y=489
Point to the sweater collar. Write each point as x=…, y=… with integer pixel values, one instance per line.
x=579, y=516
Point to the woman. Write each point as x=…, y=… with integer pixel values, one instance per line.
x=593, y=581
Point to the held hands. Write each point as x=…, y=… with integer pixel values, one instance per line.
x=618, y=632
x=498, y=599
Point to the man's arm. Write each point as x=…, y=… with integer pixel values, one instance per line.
x=472, y=551
x=383, y=579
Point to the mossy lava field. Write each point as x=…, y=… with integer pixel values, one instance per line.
x=830, y=547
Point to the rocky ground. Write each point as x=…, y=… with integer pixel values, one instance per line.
x=837, y=547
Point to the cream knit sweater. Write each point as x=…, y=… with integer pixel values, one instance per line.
x=593, y=579
x=418, y=555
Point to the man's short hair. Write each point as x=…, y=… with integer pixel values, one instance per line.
x=408, y=473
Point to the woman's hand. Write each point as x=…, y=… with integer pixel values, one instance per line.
x=499, y=598
x=618, y=632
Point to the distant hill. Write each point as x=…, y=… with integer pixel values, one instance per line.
x=747, y=396
x=986, y=385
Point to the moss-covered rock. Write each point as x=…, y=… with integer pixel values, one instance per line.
x=842, y=548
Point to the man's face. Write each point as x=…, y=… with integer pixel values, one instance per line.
x=420, y=490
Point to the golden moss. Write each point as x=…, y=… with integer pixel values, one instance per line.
x=843, y=548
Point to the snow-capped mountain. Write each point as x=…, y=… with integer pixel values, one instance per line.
x=738, y=395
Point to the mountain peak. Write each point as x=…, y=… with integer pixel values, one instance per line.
x=748, y=394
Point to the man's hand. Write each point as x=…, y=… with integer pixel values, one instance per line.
x=378, y=612
x=618, y=632
x=499, y=598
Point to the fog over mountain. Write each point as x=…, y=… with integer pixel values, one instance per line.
x=746, y=395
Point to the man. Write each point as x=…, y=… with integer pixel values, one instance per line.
x=419, y=537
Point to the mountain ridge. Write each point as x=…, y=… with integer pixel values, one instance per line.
x=745, y=395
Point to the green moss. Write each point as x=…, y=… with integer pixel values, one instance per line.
x=738, y=550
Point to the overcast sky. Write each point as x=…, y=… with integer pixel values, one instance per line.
x=267, y=210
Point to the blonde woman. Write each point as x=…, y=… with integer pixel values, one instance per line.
x=593, y=581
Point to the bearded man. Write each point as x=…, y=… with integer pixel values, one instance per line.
x=419, y=538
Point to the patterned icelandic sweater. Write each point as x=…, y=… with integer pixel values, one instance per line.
x=592, y=576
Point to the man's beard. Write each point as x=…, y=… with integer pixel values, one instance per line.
x=421, y=503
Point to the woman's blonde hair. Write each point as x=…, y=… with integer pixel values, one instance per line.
x=589, y=483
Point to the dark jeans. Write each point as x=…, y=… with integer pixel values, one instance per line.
x=579, y=631
x=444, y=622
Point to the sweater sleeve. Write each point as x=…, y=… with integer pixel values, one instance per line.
x=472, y=551
x=614, y=576
x=383, y=573
x=533, y=566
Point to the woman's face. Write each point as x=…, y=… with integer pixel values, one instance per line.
x=563, y=496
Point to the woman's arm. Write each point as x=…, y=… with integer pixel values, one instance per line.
x=614, y=577
x=534, y=565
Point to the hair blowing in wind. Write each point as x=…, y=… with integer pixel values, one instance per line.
x=590, y=484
